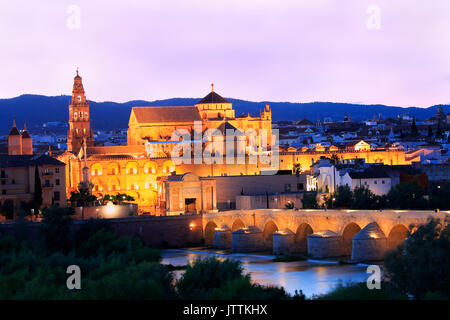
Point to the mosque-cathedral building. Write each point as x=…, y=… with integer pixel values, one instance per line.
x=144, y=167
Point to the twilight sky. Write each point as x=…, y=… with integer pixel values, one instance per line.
x=394, y=52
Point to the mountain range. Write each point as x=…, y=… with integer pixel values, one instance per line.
x=38, y=109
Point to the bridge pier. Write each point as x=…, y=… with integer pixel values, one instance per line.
x=283, y=242
x=325, y=244
x=222, y=238
x=370, y=244
x=248, y=239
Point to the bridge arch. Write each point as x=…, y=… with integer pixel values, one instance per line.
x=269, y=228
x=300, y=240
x=348, y=233
x=397, y=235
x=237, y=224
x=209, y=233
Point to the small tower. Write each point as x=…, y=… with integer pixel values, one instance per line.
x=27, y=141
x=14, y=141
x=79, y=118
x=266, y=114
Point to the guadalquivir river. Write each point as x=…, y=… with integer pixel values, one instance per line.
x=313, y=277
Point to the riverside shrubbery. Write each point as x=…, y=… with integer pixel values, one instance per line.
x=112, y=267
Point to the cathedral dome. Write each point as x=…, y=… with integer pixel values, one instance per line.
x=213, y=97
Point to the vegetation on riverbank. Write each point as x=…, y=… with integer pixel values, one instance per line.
x=112, y=267
x=418, y=269
x=116, y=267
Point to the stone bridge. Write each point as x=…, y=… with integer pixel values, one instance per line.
x=228, y=229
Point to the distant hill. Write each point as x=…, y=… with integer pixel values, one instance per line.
x=37, y=109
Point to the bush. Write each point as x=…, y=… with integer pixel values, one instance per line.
x=309, y=200
x=420, y=267
x=440, y=196
x=214, y=279
x=407, y=195
x=359, y=291
x=206, y=274
x=55, y=229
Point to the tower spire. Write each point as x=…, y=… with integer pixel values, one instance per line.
x=212, y=87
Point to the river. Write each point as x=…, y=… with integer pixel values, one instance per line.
x=313, y=277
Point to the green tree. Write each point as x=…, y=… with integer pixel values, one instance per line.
x=55, y=228
x=342, y=198
x=439, y=132
x=118, y=198
x=334, y=159
x=211, y=278
x=440, y=196
x=37, y=189
x=81, y=198
x=309, y=200
x=407, y=195
x=363, y=198
x=414, y=130
x=421, y=265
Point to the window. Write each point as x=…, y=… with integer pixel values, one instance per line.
x=287, y=188
x=382, y=181
x=3, y=191
x=56, y=196
x=56, y=170
x=57, y=182
x=375, y=182
x=299, y=186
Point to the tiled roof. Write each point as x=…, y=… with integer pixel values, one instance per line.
x=8, y=161
x=25, y=134
x=166, y=114
x=370, y=173
x=14, y=132
x=213, y=97
x=372, y=230
x=305, y=122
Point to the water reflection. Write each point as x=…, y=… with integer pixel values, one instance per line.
x=313, y=277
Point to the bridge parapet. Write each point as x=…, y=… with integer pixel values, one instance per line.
x=394, y=223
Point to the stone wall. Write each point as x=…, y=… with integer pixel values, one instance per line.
x=108, y=211
x=172, y=231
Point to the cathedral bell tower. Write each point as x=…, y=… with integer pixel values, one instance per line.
x=79, y=119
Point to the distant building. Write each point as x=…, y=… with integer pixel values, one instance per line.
x=18, y=170
x=327, y=177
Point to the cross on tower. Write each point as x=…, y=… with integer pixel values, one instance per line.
x=212, y=87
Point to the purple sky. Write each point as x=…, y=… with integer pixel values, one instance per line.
x=279, y=50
